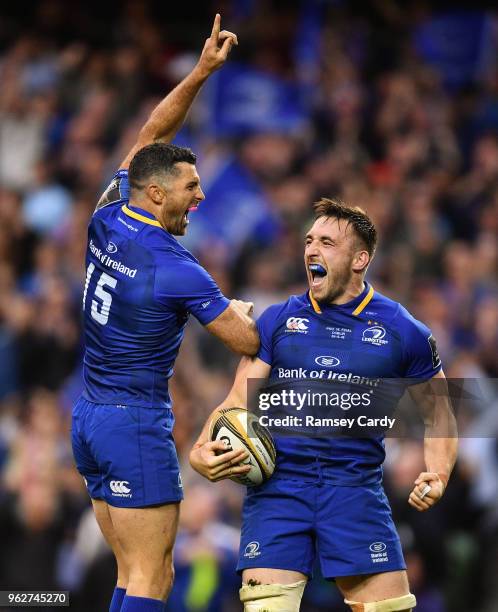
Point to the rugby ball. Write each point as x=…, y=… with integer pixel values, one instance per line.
x=239, y=428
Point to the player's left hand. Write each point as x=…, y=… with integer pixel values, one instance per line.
x=246, y=308
x=216, y=48
x=422, y=497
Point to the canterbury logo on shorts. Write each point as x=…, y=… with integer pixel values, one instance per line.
x=120, y=488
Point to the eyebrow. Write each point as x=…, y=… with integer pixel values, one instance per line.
x=320, y=237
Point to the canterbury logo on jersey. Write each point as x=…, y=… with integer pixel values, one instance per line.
x=297, y=324
x=120, y=488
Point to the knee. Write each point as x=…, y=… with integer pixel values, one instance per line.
x=272, y=597
x=155, y=578
x=405, y=603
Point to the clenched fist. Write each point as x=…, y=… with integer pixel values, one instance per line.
x=428, y=490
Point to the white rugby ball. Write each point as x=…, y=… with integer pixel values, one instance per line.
x=239, y=428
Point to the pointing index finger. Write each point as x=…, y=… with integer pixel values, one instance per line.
x=216, y=27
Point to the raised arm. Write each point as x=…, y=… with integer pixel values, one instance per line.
x=203, y=456
x=168, y=116
x=440, y=441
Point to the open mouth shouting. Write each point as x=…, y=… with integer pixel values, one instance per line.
x=318, y=275
x=191, y=208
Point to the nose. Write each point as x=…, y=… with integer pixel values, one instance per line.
x=200, y=195
x=311, y=249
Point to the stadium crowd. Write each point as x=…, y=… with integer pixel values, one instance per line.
x=379, y=124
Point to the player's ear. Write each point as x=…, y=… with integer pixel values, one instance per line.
x=155, y=193
x=361, y=260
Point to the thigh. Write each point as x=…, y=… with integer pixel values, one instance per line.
x=136, y=455
x=374, y=587
x=103, y=516
x=146, y=534
x=277, y=528
x=355, y=532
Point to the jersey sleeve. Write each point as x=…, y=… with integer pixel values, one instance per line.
x=187, y=286
x=117, y=191
x=422, y=359
x=266, y=325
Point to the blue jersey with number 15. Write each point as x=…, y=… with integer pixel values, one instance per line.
x=141, y=285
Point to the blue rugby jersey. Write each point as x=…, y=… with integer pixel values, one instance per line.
x=141, y=285
x=369, y=338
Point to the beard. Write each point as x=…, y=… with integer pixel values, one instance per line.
x=338, y=283
x=175, y=225
x=179, y=228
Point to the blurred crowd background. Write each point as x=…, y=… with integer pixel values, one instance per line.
x=391, y=105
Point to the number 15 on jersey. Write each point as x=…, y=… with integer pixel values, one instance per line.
x=99, y=309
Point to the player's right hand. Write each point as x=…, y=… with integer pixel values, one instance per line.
x=245, y=307
x=208, y=462
x=216, y=48
x=428, y=490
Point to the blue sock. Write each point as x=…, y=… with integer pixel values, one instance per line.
x=142, y=604
x=117, y=599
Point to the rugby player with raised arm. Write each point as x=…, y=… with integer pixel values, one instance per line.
x=141, y=286
x=325, y=498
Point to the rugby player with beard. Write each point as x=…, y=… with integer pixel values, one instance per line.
x=141, y=286
x=325, y=498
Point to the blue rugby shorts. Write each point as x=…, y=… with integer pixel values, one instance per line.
x=126, y=454
x=287, y=524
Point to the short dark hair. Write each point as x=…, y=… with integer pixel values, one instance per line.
x=354, y=215
x=154, y=159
